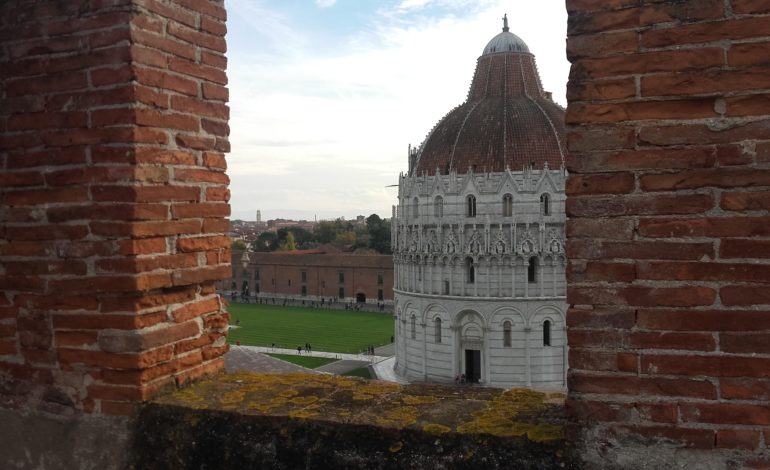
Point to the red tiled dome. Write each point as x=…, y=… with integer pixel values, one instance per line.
x=506, y=122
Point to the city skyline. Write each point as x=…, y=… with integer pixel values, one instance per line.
x=326, y=96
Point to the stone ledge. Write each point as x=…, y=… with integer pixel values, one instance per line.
x=324, y=421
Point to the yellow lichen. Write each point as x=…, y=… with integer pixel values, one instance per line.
x=304, y=400
x=396, y=446
x=397, y=417
x=436, y=429
x=418, y=399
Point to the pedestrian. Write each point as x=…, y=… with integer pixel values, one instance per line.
x=309, y=348
x=299, y=349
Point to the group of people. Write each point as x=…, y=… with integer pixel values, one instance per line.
x=299, y=348
x=370, y=350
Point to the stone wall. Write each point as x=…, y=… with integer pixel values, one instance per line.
x=113, y=224
x=669, y=234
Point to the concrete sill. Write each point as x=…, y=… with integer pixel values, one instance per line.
x=325, y=421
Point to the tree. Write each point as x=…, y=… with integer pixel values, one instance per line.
x=379, y=234
x=239, y=245
x=289, y=244
x=266, y=241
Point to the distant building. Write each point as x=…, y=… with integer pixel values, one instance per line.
x=478, y=237
x=312, y=275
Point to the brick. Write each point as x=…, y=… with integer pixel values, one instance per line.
x=145, y=264
x=648, y=62
x=602, y=44
x=596, y=339
x=612, y=229
x=686, y=388
x=213, y=91
x=142, y=340
x=713, y=81
x=705, y=227
x=194, y=244
x=601, y=318
x=684, y=437
x=737, y=439
x=706, y=365
x=578, y=271
x=750, y=6
x=114, y=361
x=593, y=360
x=703, y=271
x=144, y=246
x=112, y=75
x=201, y=176
x=173, y=12
x=182, y=277
x=734, y=28
x=635, y=204
x=75, y=339
x=640, y=111
x=746, y=201
x=744, y=388
x=603, y=384
x=140, y=377
x=32, y=121
x=668, y=340
x=658, y=413
x=163, y=43
x=725, y=413
x=599, y=137
x=181, y=211
x=642, y=160
x=195, y=142
x=194, y=69
x=745, y=295
x=749, y=54
x=200, y=107
x=663, y=250
x=757, y=343
x=642, y=296
x=703, y=320
x=613, y=183
x=730, y=248
x=700, y=134
x=196, y=309
x=166, y=81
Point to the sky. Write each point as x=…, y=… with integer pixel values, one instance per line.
x=327, y=95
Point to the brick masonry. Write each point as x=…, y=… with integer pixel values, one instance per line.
x=113, y=224
x=669, y=335
x=280, y=274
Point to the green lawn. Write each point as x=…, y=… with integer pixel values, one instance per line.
x=326, y=330
x=305, y=361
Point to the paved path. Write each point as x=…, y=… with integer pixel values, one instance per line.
x=254, y=359
x=341, y=367
x=243, y=358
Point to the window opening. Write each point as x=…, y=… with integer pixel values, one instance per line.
x=547, y=333
x=471, y=206
x=507, y=205
x=532, y=270
x=507, y=334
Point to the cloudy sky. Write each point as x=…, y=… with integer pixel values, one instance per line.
x=326, y=95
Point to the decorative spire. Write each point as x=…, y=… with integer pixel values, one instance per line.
x=505, y=23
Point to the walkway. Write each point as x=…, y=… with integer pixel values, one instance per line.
x=255, y=359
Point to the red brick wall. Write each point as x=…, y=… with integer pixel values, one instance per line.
x=114, y=199
x=277, y=269
x=669, y=233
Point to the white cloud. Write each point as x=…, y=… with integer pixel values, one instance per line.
x=325, y=3
x=328, y=132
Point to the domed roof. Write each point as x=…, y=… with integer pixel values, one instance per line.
x=505, y=42
x=507, y=121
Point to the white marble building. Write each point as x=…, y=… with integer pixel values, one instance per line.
x=478, y=235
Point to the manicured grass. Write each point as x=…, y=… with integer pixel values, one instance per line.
x=305, y=361
x=343, y=331
x=360, y=372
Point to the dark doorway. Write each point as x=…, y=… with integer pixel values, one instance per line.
x=472, y=365
x=361, y=297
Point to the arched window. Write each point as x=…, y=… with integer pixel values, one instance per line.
x=547, y=333
x=416, y=207
x=507, y=205
x=471, y=270
x=507, y=334
x=437, y=329
x=545, y=204
x=532, y=270
x=470, y=209
x=438, y=207
x=414, y=327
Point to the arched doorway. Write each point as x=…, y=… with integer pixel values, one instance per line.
x=361, y=298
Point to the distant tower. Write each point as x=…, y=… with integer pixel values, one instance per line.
x=259, y=217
